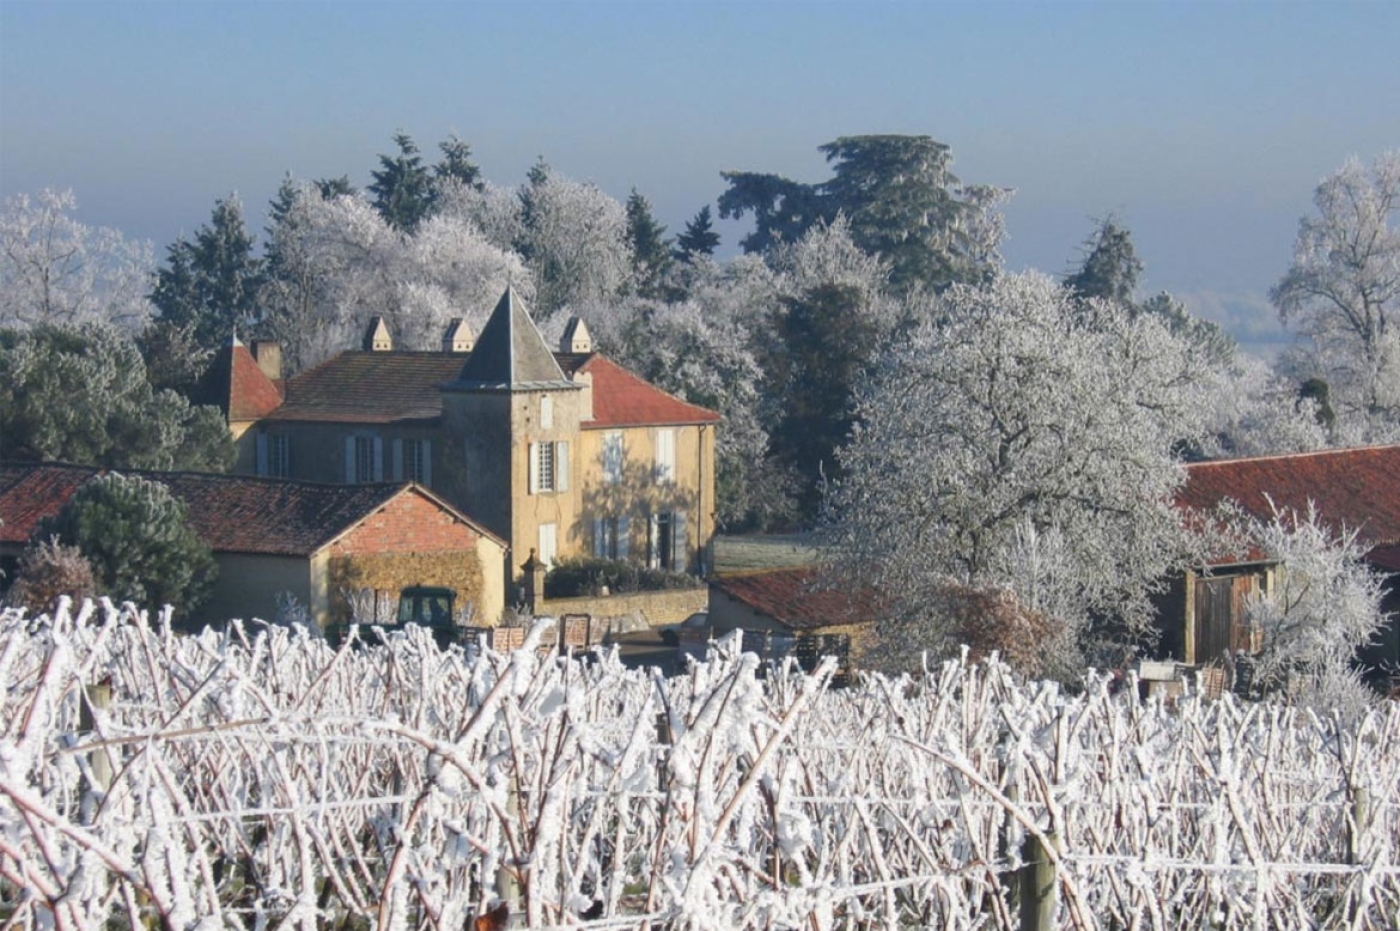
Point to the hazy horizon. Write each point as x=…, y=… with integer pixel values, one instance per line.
x=1202, y=127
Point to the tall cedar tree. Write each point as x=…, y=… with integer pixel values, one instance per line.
x=135, y=534
x=1111, y=267
x=651, y=252
x=898, y=195
x=211, y=285
x=699, y=238
x=402, y=188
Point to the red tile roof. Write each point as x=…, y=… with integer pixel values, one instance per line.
x=798, y=598
x=233, y=514
x=1355, y=489
x=621, y=399
x=237, y=386
x=384, y=387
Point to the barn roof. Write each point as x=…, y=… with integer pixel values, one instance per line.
x=798, y=598
x=231, y=513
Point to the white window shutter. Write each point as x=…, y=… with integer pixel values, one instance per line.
x=426, y=446
x=600, y=543
x=679, y=563
x=622, y=538
x=653, y=550
x=398, y=460
x=561, y=466
x=262, y=453
x=665, y=455
x=546, y=412
x=378, y=459
x=534, y=454
x=350, y=476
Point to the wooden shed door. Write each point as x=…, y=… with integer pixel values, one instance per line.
x=1220, y=626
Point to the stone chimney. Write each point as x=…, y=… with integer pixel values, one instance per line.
x=268, y=354
x=576, y=337
x=459, y=336
x=585, y=397
x=377, y=338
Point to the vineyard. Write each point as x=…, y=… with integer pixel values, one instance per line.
x=258, y=778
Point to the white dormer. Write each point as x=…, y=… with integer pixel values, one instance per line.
x=377, y=338
x=576, y=337
x=459, y=336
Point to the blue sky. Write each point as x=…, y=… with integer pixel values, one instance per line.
x=1204, y=127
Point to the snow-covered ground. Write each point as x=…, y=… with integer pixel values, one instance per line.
x=262, y=779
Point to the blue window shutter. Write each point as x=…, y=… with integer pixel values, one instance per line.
x=350, y=460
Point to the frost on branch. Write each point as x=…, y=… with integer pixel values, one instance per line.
x=260, y=778
x=1021, y=439
x=1322, y=605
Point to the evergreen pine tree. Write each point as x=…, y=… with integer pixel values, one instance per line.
x=402, y=188
x=1111, y=267
x=651, y=253
x=135, y=534
x=457, y=164
x=699, y=237
x=211, y=285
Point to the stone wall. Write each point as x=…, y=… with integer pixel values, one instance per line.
x=654, y=608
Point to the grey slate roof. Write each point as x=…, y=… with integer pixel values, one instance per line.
x=510, y=353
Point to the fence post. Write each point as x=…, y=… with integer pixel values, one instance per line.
x=1038, y=886
x=1359, y=817
x=98, y=695
x=507, y=881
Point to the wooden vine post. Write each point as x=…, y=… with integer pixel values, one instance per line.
x=1038, y=885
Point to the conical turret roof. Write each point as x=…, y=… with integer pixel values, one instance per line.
x=510, y=353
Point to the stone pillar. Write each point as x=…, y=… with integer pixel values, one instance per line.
x=534, y=584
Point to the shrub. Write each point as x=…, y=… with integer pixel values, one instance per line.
x=587, y=576
x=49, y=569
x=135, y=535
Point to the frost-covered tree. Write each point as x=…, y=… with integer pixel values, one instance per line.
x=1251, y=410
x=573, y=237
x=56, y=270
x=136, y=536
x=1342, y=292
x=1020, y=415
x=335, y=262
x=1324, y=606
x=82, y=395
x=212, y=283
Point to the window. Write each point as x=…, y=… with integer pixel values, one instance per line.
x=364, y=459
x=665, y=456
x=545, y=467
x=549, y=467
x=413, y=461
x=612, y=457
x=549, y=544
x=546, y=412
x=610, y=538
x=666, y=543
x=274, y=455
